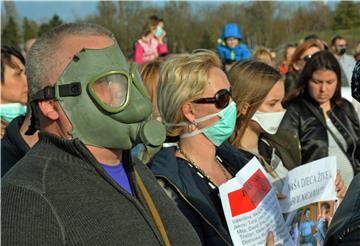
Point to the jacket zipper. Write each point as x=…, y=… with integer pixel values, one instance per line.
x=189, y=203
x=353, y=141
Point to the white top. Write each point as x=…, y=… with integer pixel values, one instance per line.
x=343, y=163
x=279, y=171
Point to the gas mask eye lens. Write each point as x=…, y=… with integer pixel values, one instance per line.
x=110, y=91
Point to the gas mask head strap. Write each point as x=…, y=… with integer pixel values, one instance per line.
x=48, y=93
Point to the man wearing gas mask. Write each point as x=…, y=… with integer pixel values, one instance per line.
x=347, y=62
x=78, y=184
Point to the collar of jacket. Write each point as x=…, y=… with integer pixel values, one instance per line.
x=286, y=145
x=165, y=165
x=14, y=136
x=74, y=151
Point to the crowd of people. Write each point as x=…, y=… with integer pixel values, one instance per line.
x=100, y=150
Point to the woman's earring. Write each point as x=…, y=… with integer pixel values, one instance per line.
x=192, y=126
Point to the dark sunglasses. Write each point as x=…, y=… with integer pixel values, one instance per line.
x=221, y=99
x=307, y=58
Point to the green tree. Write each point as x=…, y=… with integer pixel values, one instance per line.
x=107, y=15
x=206, y=42
x=30, y=29
x=54, y=22
x=347, y=15
x=8, y=9
x=10, y=34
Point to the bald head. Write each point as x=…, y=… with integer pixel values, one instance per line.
x=50, y=54
x=29, y=43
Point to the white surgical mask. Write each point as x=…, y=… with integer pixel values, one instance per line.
x=269, y=121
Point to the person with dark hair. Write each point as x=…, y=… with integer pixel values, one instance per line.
x=301, y=55
x=14, y=142
x=149, y=46
x=14, y=88
x=325, y=123
x=79, y=185
x=347, y=62
x=258, y=91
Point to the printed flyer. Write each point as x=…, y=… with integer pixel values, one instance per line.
x=251, y=208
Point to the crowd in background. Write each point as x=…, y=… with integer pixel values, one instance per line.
x=219, y=107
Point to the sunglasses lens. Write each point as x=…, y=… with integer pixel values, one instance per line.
x=222, y=99
x=307, y=58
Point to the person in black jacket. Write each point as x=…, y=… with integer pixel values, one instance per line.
x=344, y=228
x=326, y=123
x=78, y=185
x=14, y=86
x=258, y=91
x=195, y=104
x=15, y=143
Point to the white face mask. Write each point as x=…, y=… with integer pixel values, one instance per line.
x=269, y=121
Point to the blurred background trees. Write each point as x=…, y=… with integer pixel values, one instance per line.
x=192, y=25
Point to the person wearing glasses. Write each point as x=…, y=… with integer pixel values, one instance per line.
x=326, y=124
x=78, y=185
x=302, y=54
x=194, y=101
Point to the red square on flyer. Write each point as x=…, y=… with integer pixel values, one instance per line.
x=240, y=203
x=257, y=187
x=247, y=198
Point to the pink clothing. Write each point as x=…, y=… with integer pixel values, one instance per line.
x=148, y=49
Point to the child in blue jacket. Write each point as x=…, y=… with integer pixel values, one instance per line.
x=231, y=50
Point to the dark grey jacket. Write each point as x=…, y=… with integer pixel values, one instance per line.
x=58, y=194
x=344, y=229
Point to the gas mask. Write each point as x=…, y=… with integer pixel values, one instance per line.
x=105, y=101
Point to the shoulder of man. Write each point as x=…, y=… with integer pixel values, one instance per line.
x=177, y=227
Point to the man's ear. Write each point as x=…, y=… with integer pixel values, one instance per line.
x=243, y=109
x=188, y=111
x=49, y=109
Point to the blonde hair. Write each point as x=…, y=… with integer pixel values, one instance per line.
x=250, y=81
x=183, y=78
x=150, y=73
x=264, y=55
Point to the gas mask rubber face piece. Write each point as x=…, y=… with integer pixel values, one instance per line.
x=106, y=102
x=269, y=121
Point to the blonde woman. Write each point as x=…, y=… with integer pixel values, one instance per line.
x=194, y=101
x=258, y=92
